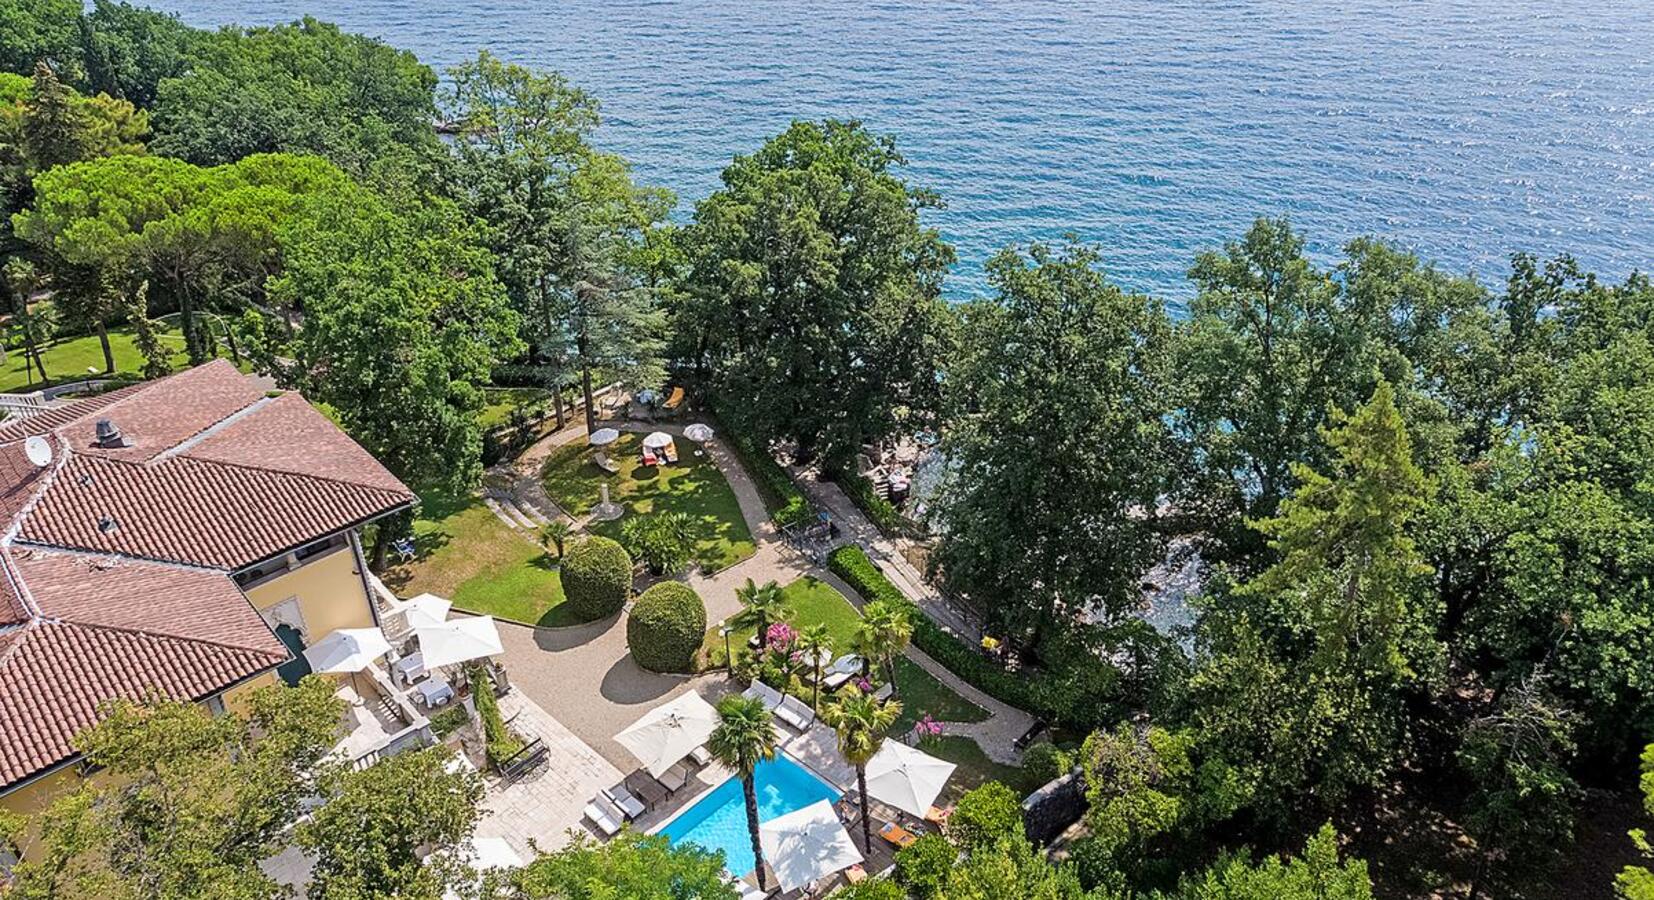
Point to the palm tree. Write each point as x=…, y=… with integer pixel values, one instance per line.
x=861, y=721
x=765, y=603
x=814, y=642
x=745, y=737
x=884, y=632
x=555, y=534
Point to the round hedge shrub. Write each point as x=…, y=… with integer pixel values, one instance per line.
x=666, y=626
x=597, y=578
x=1044, y=763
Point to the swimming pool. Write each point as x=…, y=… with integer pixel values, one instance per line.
x=718, y=821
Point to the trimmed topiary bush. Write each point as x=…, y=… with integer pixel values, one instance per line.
x=1045, y=762
x=666, y=626
x=597, y=578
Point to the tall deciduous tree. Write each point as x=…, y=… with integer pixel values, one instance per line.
x=403, y=320
x=574, y=234
x=1060, y=442
x=191, y=803
x=813, y=292
x=377, y=826
x=1301, y=687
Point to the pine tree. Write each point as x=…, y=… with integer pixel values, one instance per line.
x=157, y=357
x=55, y=130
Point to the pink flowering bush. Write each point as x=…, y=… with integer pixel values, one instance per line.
x=864, y=685
x=780, y=635
x=927, y=727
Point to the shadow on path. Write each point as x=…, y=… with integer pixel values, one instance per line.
x=627, y=683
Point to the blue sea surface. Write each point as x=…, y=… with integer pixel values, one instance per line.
x=1465, y=129
x=718, y=821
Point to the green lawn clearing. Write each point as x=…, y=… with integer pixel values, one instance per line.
x=692, y=486
x=812, y=601
x=501, y=401
x=975, y=768
x=70, y=359
x=465, y=553
x=921, y=695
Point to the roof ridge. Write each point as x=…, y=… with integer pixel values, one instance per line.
x=184, y=445
x=301, y=475
x=60, y=550
x=156, y=635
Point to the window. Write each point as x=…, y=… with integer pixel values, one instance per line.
x=315, y=547
x=215, y=705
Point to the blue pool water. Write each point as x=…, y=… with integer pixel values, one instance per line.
x=1154, y=128
x=718, y=821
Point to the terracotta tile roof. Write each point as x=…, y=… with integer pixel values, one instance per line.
x=55, y=676
x=116, y=561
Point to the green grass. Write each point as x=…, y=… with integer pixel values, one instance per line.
x=921, y=695
x=975, y=768
x=68, y=360
x=501, y=401
x=812, y=601
x=693, y=486
x=471, y=557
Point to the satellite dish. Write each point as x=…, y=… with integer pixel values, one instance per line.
x=39, y=451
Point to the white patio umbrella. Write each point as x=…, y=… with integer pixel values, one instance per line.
x=699, y=432
x=807, y=844
x=426, y=611
x=907, y=779
x=657, y=439
x=347, y=650
x=669, y=732
x=603, y=437
x=458, y=640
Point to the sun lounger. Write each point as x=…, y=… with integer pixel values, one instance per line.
x=701, y=756
x=855, y=874
x=605, y=815
x=795, y=712
x=936, y=815
x=404, y=549
x=836, y=680
x=621, y=797
x=848, y=664
x=649, y=458
x=670, y=452
x=762, y=691
x=897, y=835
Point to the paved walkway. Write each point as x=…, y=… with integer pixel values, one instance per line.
x=537, y=809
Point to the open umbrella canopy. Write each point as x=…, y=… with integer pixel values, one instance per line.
x=807, y=844
x=669, y=732
x=907, y=779
x=699, y=432
x=603, y=437
x=426, y=611
x=657, y=439
x=347, y=650
x=458, y=640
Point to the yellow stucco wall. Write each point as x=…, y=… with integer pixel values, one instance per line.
x=328, y=590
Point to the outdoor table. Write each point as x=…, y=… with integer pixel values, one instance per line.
x=435, y=691
x=645, y=787
x=409, y=667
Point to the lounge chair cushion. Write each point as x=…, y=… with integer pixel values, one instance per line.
x=630, y=805
x=603, y=816
x=795, y=712
x=762, y=691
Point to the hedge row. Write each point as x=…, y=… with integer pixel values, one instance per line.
x=1081, y=693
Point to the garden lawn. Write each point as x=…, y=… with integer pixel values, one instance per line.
x=812, y=601
x=921, y=695
x=974, y=768
x=465, y=553
x=692, y=486
x=68, y=360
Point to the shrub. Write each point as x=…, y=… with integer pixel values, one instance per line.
x=662, y=541
x=984, y=816
x=923, y=866
x=450, y=720
x=1045, y=762
x=881, y=512
x=666, y=627
x=500, y=742
x=597, y=578
x=1082, y=694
